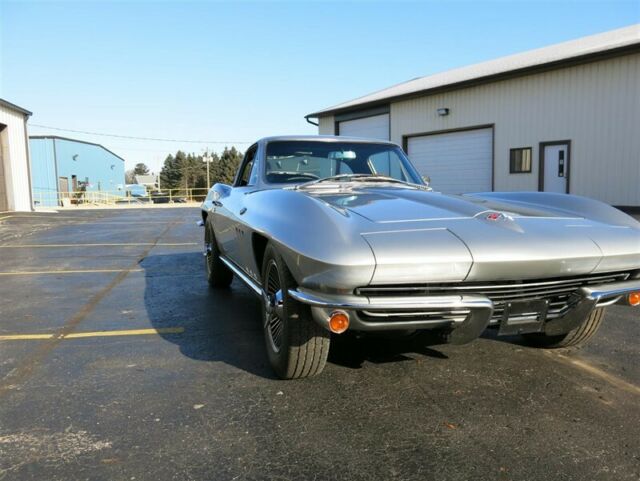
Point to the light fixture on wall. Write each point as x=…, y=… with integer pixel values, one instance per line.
x=442, y=111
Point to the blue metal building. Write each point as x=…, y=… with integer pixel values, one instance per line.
x=62, y=166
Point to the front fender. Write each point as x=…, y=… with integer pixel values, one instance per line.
x=324, y=251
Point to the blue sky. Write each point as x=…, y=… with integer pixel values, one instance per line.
x=237, y=71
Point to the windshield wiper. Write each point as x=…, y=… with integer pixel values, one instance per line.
x=353, y=178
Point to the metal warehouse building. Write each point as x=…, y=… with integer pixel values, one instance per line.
x=71, y=169
x=15, y=190
x=564, y=118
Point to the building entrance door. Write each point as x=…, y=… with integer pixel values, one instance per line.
x=555, y=167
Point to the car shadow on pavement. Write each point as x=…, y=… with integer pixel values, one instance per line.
x=223, y=325
x=491, y=333
x=220, y=325
x=352, y=352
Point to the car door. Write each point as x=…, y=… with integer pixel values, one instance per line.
x=229, y=228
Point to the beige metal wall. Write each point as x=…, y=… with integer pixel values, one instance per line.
x=14, y=182
x=596, y=106
x=326, y=125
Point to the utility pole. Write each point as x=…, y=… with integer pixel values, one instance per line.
x=207, y=159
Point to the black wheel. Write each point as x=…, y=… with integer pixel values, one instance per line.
x=576, y=338
x=297, y=346
x=218, y=274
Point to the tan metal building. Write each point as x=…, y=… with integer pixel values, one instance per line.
x=15, y=176
x=564, y=118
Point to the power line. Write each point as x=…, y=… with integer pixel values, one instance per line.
x=130, y=137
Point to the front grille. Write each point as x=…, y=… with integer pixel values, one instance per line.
x=559, y=292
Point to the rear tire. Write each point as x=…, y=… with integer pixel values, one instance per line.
x=296, y=345
x=218, y=274
x=576, y=338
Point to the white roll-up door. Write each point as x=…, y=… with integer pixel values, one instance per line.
x=456, y=162
x=376, y=127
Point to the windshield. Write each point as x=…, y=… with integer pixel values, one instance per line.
x=304, y=161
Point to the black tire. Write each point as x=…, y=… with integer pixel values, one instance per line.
x=218, y=274
x=296, y=345
x=576, y=338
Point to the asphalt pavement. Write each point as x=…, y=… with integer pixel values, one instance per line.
x=117, y=362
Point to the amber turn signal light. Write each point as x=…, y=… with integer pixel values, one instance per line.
x=338, y=322
x=634, y=298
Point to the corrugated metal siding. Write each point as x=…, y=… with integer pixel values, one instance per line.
x=326, y=125
x=596, y=106
x=43, y=172
x=103, y=170
x=15, y=161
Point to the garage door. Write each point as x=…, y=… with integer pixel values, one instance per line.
x=457, y=162
x=376, y=127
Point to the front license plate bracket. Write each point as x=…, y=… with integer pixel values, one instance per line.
x=523, y=317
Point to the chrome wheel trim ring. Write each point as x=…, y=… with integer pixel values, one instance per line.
x=273, y=322
x=208, y=257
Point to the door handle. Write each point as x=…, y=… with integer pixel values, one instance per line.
x=243, y=210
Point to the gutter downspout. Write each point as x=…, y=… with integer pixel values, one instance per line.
x=311, y=122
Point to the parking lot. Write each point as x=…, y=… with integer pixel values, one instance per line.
x=118, y=362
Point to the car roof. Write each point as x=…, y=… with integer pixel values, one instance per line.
x=324, y=138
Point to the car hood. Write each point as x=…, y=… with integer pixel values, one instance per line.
x=401, y=205
x=420, y=236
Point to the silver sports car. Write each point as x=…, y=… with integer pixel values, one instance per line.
x=337, y=234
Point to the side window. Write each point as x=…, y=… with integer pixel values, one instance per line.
x=253, y=175
x=247, y=174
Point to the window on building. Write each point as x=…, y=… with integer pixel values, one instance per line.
x=520, y=160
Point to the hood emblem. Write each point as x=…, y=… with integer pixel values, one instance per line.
x=494, y=216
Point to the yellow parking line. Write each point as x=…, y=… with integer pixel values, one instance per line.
x=80, y=335
x=25, y=337
x=128, y=332
x=123, y=244
x=596, y=371
x=79, y=271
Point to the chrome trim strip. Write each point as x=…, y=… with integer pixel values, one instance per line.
x=250, y=283
x=609, y=302
x=568, y=283
x=361, y=303
x=610, y=290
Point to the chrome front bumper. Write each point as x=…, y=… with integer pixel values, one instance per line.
x=466, y=316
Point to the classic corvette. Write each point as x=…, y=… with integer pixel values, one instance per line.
x=337, y=234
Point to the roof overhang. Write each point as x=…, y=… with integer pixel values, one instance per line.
x=67, y=139
x=15, y=108
x=553, y=57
